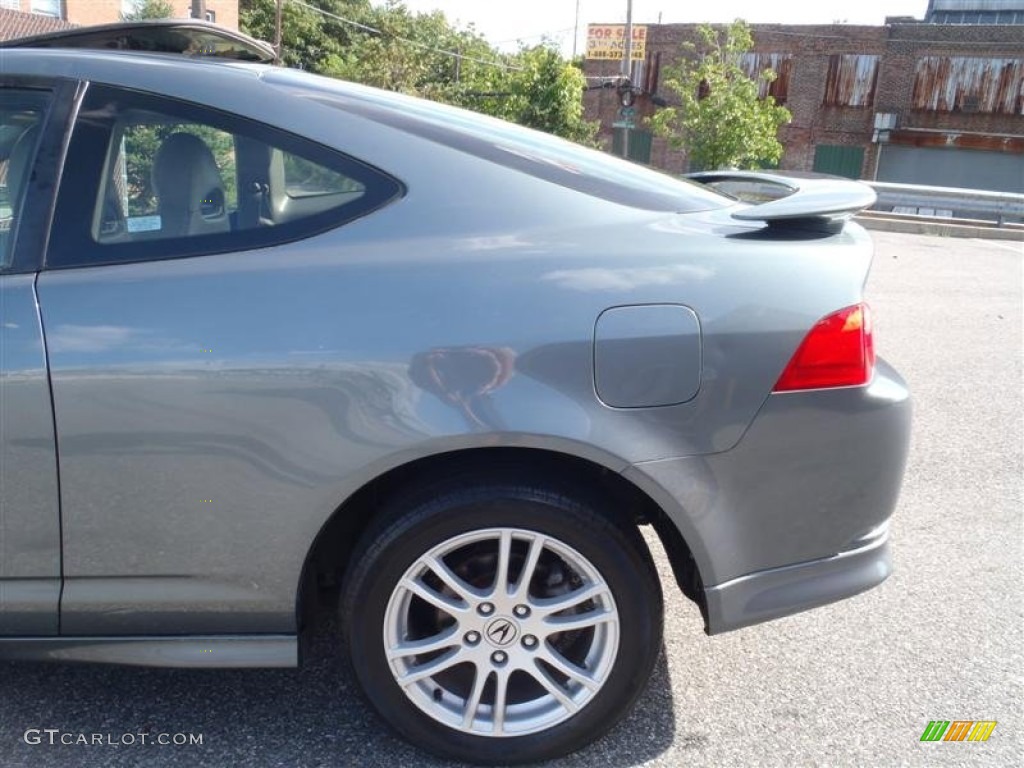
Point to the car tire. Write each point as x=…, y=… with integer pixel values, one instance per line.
x=393, y=594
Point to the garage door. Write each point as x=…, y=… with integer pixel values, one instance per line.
x=938, y=167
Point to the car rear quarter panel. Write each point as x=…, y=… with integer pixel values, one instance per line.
x=213, y=412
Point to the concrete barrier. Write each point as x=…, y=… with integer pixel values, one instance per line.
x=941, y=227
x=945, y=203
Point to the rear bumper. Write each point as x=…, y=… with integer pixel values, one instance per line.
x=794, y=516
x=782, y=591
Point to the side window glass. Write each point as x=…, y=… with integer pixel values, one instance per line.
x=171, y=179
x=21, y=117
x=305, y=179
x=130, y=204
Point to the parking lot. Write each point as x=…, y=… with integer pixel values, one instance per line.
x=854, y=684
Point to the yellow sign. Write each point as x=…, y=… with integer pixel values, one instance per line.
x=608, y=42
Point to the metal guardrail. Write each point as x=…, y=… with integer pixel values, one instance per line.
x=948, y=202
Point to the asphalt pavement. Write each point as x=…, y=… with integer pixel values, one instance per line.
x=852, y=684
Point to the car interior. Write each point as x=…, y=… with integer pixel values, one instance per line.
x=170, y=179
x=19, y=133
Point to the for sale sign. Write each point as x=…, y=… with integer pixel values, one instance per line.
x=608, y=42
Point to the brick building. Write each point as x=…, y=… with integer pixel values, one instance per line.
x=908, y=101
x=21, y=18
x=14, y=23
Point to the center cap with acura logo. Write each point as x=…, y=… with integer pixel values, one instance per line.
x=501, y=631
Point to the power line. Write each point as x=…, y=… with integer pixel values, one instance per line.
x=414, y=43
x=552, y=33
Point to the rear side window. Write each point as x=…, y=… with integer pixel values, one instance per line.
x=135, y=197
x=154, y=178
x=303, y=178
x=21, y=116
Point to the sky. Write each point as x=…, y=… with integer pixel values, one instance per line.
x=504, y=22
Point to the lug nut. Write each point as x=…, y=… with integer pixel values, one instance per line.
x=472, y=638
x=499, y=657
x=485, y=609
x=521, y=611
x=529, y=641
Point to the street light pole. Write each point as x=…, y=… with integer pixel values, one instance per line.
x=627, y=66
x=576, y=30
x=277, y=32
x=628, y=52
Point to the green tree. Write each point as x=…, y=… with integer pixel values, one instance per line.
x=305, y=43
x=720, y=121
x=149, y=9
x=543, y=91
x=412, y=53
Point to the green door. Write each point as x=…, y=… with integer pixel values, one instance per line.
x=837, y=160
x=639, y=145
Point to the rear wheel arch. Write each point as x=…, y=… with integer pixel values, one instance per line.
x=332, y=550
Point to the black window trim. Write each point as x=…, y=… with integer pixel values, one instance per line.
x=30, y=235
x=72, y=245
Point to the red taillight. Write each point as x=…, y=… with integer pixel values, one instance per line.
x=839, y=351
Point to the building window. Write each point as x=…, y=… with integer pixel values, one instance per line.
x=969, y=84
x=780, y=63
x=46, y=7
x=208, y=15
x=851, y=80
x=14, y=5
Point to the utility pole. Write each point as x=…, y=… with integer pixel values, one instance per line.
x=576, y=30
x=627, y=68
x=277, y=32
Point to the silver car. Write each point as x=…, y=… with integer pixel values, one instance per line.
x=267, y=335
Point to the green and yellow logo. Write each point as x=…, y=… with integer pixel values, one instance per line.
x=958, y=730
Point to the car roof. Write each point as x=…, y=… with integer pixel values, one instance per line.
x=259, y=91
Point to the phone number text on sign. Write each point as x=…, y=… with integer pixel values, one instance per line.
x=608, y=41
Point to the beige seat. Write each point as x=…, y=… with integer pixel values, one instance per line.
x=189, y=188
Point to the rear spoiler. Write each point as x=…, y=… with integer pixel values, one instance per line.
x=820, y=203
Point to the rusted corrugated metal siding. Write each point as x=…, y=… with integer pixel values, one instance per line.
x=942, y=140
x=780, y=63
x=652, y=72
x=969, y=84
x=851, y=80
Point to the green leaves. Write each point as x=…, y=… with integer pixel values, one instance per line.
x=720, y=121
x=543, y=92
x=149, y=9
x=412, y=54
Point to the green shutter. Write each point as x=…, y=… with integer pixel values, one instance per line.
x=839, y=161
x=639, y=145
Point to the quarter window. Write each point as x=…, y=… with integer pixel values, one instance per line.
x=132, y=201
x=154, y=178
